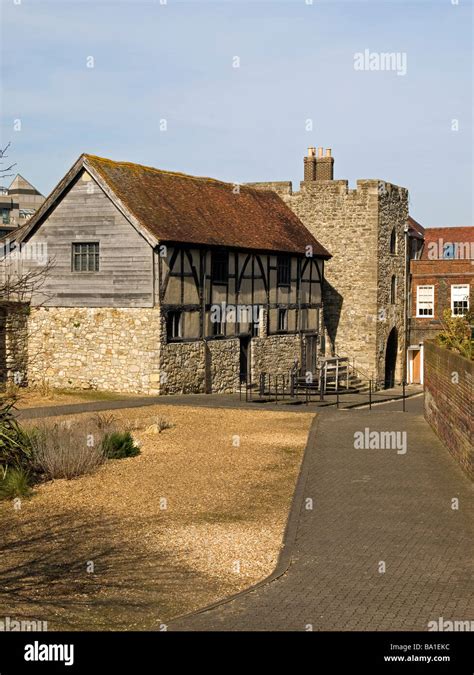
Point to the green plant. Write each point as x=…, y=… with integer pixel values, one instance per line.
x=14, y=482
x=16, y=450
x=456, y=334
x=119, y=444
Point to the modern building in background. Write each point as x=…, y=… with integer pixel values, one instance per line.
x=18, y=203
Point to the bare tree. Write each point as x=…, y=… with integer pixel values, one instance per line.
x=4, y=170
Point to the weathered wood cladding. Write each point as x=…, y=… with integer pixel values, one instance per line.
x=186, y=284
x=125, y=277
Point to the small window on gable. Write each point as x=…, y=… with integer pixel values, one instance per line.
x=174, y=325
x=283, y=270
x=85, y=257
x=459, y=299
x=282, y=320
x=220, y=267
x=393, y=241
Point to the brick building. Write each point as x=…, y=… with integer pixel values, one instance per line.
x=441, y=278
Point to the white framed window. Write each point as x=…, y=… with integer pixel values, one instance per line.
x=424, y=301
x=459, y=299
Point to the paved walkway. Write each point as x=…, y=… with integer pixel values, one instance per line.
x=215, y=401
x=370, y=508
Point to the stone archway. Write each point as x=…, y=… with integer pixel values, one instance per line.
x=391, y=358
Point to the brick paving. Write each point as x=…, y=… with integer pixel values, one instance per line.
x=369, y=507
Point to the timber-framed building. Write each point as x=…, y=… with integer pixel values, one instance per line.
x=168, y=283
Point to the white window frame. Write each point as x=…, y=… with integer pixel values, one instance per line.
x=424, y=287
x=465, y=296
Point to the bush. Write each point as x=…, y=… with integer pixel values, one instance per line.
x=67, y=450
x=15, y=483
x=16, y=450
x=456, y=334
x=163, y=424
x=119, y=444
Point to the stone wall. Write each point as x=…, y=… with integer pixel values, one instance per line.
x=355, y=226
x=109, y=349
x=449, y=380
x=275, y=354
x=14, y=343
x=183, y=368
x=125, y=350
x=393, y=213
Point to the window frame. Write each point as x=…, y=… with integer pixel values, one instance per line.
x=393, y=289
x=283, y=262
x=77, y=255
x=466, y=286
x=425, y=316
x=171, y=324
x=282, y=312
x=217, y=266
x=393, y=242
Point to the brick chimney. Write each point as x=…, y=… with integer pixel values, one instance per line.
x=310, y=165
x=320, y=167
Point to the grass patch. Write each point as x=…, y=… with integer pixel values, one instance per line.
x=15, y=483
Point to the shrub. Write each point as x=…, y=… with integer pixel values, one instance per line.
x=67, y=450
x=163, y=424
x=16, y=450
x=15, y=483
x=119, y=444
x=456, y=334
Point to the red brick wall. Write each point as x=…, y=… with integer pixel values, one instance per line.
x=449, y=380
x=441, y=274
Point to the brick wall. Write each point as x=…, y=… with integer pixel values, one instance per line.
x=441, y=274
x=449, y=402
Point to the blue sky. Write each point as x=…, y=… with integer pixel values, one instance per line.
x=174, y=62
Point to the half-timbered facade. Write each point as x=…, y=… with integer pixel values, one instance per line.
x=168, y=283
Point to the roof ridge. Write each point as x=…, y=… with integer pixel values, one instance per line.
x=179, y=174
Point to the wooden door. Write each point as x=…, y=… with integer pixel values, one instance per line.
x=416, y=366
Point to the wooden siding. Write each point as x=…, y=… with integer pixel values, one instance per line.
x=125, y=277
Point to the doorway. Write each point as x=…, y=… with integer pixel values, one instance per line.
x=391, y=358
x=244, y=357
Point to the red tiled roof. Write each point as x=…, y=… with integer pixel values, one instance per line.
x=414, y=228
x=181, y=208
x=462, y=237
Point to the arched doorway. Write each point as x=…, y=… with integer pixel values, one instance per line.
x=391, y=358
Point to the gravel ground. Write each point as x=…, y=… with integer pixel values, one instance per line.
x=199, y=515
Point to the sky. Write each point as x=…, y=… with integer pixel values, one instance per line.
x=239, y=90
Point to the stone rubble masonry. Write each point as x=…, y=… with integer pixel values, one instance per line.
x=449, y=380
x=110, y=349
x=125, y=350
x=355, y=226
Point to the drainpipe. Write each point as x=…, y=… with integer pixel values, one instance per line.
x=405, y=306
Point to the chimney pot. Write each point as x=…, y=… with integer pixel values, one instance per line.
x=312, y=152
x=328, y=152
x=320, y=152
